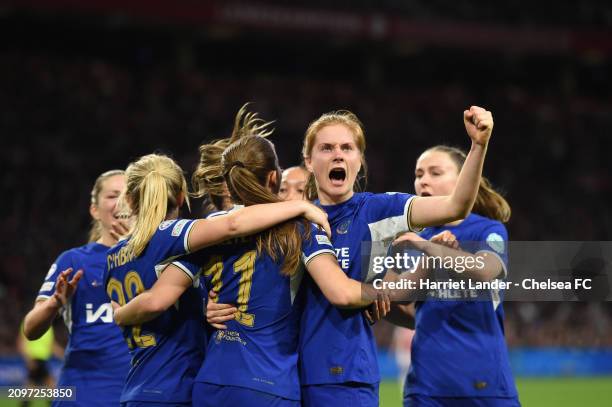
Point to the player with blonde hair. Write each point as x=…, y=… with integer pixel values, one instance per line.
x=261, y=275
x=171, y=339
x=96, y=359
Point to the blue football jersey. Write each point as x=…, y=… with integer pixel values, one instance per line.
x=96, y=360
x=167, y=351
x=259, y=348
x=337, y=345
x=459, y=348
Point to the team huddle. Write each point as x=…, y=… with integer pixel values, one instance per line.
x=266, y=301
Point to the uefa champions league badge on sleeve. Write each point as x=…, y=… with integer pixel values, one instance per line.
x=178, y=228
x=322, y=239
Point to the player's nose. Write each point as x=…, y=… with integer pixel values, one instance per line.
x=338, y=154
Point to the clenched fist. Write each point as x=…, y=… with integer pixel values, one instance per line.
x=478, y=124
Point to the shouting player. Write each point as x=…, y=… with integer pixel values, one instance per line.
x=338, y=351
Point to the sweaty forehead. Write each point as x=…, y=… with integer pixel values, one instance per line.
x=335, y=134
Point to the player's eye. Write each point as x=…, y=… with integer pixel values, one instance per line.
x=326, y=147
x=347, y=147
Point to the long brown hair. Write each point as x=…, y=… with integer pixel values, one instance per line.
x=247, y=164
x=154, y=184
x=489, y=202
x=95, y=232
x=206, y=179
x=347, y=119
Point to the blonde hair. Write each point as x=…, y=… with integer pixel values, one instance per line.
x=95, y=232
x=207, y=179
x=347, y=119
x=489, y=202
x=154, y=184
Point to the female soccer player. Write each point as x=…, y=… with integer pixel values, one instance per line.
x=205, y=179
x=96, y=360
x=254, y=361
x=172, y=339
x=337, y=348
x=293, y=183
x=459, y=355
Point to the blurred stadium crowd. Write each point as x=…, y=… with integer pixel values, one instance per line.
x=78, y=101
x=592, y=13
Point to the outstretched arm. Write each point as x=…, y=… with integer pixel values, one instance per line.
x=250, y=220
x=438, y=210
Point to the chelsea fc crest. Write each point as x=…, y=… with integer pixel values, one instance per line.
x=343, y=227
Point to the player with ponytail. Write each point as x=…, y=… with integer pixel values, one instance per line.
x=96, y=359
x=171, y=339
x=459, y=354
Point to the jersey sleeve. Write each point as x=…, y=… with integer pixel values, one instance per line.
x=190, y=264
x=494, y=241
x=172, y=237
x=47, y=289
x=388, y=215
x=318, y=243
x=215, y=214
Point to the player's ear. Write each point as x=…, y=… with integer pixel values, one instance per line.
x=93, y=211
x=308, y=163
x=272, y=181
x=180, y=199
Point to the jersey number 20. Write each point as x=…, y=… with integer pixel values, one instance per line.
x=133, y=286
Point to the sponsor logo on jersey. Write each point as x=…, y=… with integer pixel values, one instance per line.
x=496, y=242
x=103, y=313
x=178, y=228
x=166, y=224
x=51, y=271
x=229, y=336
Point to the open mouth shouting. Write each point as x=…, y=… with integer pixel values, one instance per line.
x=337, y=176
